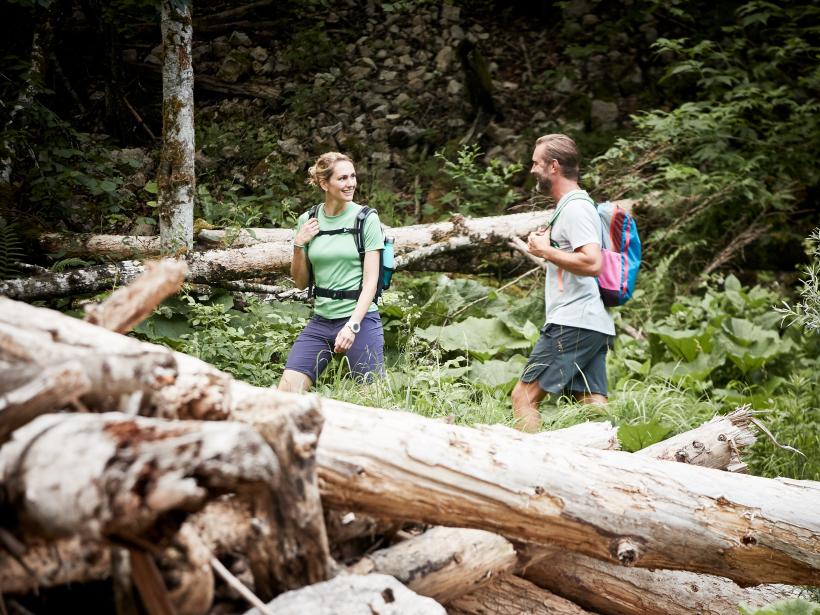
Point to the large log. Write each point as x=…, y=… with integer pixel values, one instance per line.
x=616, y=590
x=511, y=595
x=354, y=595
x=254, y=258
x=443, y=563
x=614, y=506
x=104, y=475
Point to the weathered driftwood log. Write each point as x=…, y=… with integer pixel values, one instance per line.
x=616, y=590
x=28, y=391
x=443, y=563
x=511, y=595
x=257, y=258
x=716, y=444
x=354, y=595
x=614, y=506
x=39, y=562
x=130, y=305
x=101, y=475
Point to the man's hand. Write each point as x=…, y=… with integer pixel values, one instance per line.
x=538, y=242
x=344, y=340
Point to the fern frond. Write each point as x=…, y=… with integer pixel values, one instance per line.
x=11, y=249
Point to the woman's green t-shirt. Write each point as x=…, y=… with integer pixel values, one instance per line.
x=335, y=260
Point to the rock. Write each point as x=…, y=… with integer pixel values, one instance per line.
x=444, y=58
x=604, y=114
x=454, y=87
x=380, y=158
x=220, y=47
x=260, y=54
x=450, y=12
x=238, y=39
x=291, y=147
x=387, y=75
x=155, y=56
x=405, y=135
x=233, y=67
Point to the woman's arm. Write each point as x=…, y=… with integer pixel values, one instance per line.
x=299, y=263
x=370, y=279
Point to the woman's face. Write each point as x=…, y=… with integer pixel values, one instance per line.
x=342, y=184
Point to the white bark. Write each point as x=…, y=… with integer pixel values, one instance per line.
x=443, y=563
x=511, y=595
x=613, y=506
x=130, y=305
x=616, y=590
x=175, y=177
x=354, y=595
x=100, y=475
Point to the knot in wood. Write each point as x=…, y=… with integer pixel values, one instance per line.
x=722, y=437
x=698, y=445
x=627, y=552
x=681, y=456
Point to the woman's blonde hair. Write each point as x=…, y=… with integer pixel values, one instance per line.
x=322, y=169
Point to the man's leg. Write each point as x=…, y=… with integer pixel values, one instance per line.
x=525, y=399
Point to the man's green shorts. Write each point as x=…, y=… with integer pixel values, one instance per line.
x=569, y=360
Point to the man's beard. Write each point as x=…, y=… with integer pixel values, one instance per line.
x=543, y=185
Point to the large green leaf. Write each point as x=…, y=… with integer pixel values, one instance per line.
x=635, y=437
x=685, y=344
x=481, y=337
x=784, y=607
x=496, y=373
x=681, y=371
x=749, y=346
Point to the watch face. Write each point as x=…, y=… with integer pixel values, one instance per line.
x=355, y=327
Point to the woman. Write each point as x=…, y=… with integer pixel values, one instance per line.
x=343, y=325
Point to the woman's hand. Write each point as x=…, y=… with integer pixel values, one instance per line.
x=308, y=231
x=344, y=340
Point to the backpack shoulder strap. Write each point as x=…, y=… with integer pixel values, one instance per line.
x=358, y=227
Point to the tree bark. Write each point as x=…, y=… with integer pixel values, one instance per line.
x=616, y=590
x=511, y=595
x=614, y=506
x=130, y=305
x=443, y=563
x=175, y=177
x=100, y=475
x=354, y=595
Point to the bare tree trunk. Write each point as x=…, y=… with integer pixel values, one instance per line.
x=354, y=595
x=511, y=595
x=101, y=475
x=175, y=177
x=616, y=590
x=443, y=563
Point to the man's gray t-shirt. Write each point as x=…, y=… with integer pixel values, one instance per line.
x=577, y=301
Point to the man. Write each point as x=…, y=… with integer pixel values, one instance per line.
x=570, y=355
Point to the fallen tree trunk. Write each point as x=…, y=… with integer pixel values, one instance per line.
x=255, y=258
x=354, y=595
x=443, y=563
x=616, y=590
x=511, y=595
x=99, y=475
x=614, y=506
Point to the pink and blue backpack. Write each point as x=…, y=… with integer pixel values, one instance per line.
x=621, y=253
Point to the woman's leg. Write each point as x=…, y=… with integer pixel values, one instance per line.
x=294, y=382
x=366, y=355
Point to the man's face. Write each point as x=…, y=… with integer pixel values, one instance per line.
x=541, y=170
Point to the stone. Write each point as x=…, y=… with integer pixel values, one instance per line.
x=450, y=12
x=457, y=32
x=387, y=75
x=220, y=47
x=260, y=54
x=453, y=87
x=155, y=56
x=444, y=58
x=604, y=114
x=405, y=135
x=233, y=67
x=238, y=39
x=291, y=147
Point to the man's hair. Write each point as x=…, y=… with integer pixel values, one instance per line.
x=563, y=149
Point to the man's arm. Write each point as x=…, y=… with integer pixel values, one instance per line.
x=585, y=260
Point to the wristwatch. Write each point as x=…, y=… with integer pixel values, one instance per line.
x=353, y=326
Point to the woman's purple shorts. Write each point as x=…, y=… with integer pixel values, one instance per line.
x=313, y=349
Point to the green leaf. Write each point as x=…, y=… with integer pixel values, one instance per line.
x=796, y=606
x=681, y=371
x=498, y=374
x=481, y=337
x=635, y=437
x=151, y=187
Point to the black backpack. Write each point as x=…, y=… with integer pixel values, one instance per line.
x=385, y=262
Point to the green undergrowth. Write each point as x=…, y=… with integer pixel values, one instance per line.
x=456, y=346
